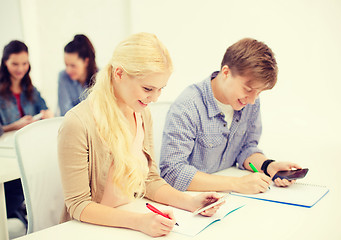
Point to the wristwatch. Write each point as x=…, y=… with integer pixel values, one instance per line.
x=265, y=166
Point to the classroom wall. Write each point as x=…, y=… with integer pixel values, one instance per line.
x=301, y=115
x=10, y=13
x=49, y=25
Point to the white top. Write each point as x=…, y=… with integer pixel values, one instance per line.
x=228, y=112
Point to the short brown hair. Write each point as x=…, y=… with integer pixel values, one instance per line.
x=249, y=57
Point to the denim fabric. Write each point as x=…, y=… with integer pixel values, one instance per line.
x=196, y=136
x=9, y=112
x=69, y=92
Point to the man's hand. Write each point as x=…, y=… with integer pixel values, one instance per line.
x=274, y=167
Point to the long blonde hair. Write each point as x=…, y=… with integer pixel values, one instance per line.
x=139, y=55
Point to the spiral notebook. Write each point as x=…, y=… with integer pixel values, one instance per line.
x=191, y=224
x=298, y=194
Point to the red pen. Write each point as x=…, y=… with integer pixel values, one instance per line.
x=155, y=210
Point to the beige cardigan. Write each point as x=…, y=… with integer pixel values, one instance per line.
x=84, y=161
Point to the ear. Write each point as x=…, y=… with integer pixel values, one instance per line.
x=225, y=70
x=118, y=73
x=86, y=61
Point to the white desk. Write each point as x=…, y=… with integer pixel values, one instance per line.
x=9, y=170
x=256, y=220
x=7, y=145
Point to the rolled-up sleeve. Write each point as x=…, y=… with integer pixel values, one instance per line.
x=74, y=165
x=177, y=144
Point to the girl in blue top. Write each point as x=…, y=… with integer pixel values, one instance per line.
x=79, y=57
x=19, y=102
x=19, y=99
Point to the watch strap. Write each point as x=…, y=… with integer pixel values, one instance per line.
x=265, y=165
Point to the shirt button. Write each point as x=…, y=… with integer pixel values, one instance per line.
x=224, y=124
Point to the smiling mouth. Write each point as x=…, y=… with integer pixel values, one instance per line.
x=241, y=103
x=143, y=103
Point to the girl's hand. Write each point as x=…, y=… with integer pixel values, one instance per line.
x=46, y=114
x=205, y=199
x=156, y=225
x=22, y=122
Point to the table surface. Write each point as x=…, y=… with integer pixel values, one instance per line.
x=256, y=220
x=7, y=145
x=9, y=169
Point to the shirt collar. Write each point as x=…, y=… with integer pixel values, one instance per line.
x=212, y=107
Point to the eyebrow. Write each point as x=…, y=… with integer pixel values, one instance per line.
x=149, y=86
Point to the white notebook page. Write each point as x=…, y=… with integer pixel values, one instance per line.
x=191, y=225
x=300, y=194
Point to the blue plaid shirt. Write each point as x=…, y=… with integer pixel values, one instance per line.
x=196, y=136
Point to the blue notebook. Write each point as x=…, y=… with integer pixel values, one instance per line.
x=298, y=194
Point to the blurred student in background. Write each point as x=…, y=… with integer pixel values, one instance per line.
x=19, y=102
x=105, y=144
x=79, y=57
x=19, y=99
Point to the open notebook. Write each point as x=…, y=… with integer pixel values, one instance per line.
x=299, y=194
x=191, y=225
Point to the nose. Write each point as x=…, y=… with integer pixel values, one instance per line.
x=67, y=70
x=155, y=96
x=21, y=68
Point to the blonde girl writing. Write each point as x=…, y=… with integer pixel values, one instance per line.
x=105, y=144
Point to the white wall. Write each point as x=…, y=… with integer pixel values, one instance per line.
x=10, y=22
x=49, y=25
x=301, y=115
